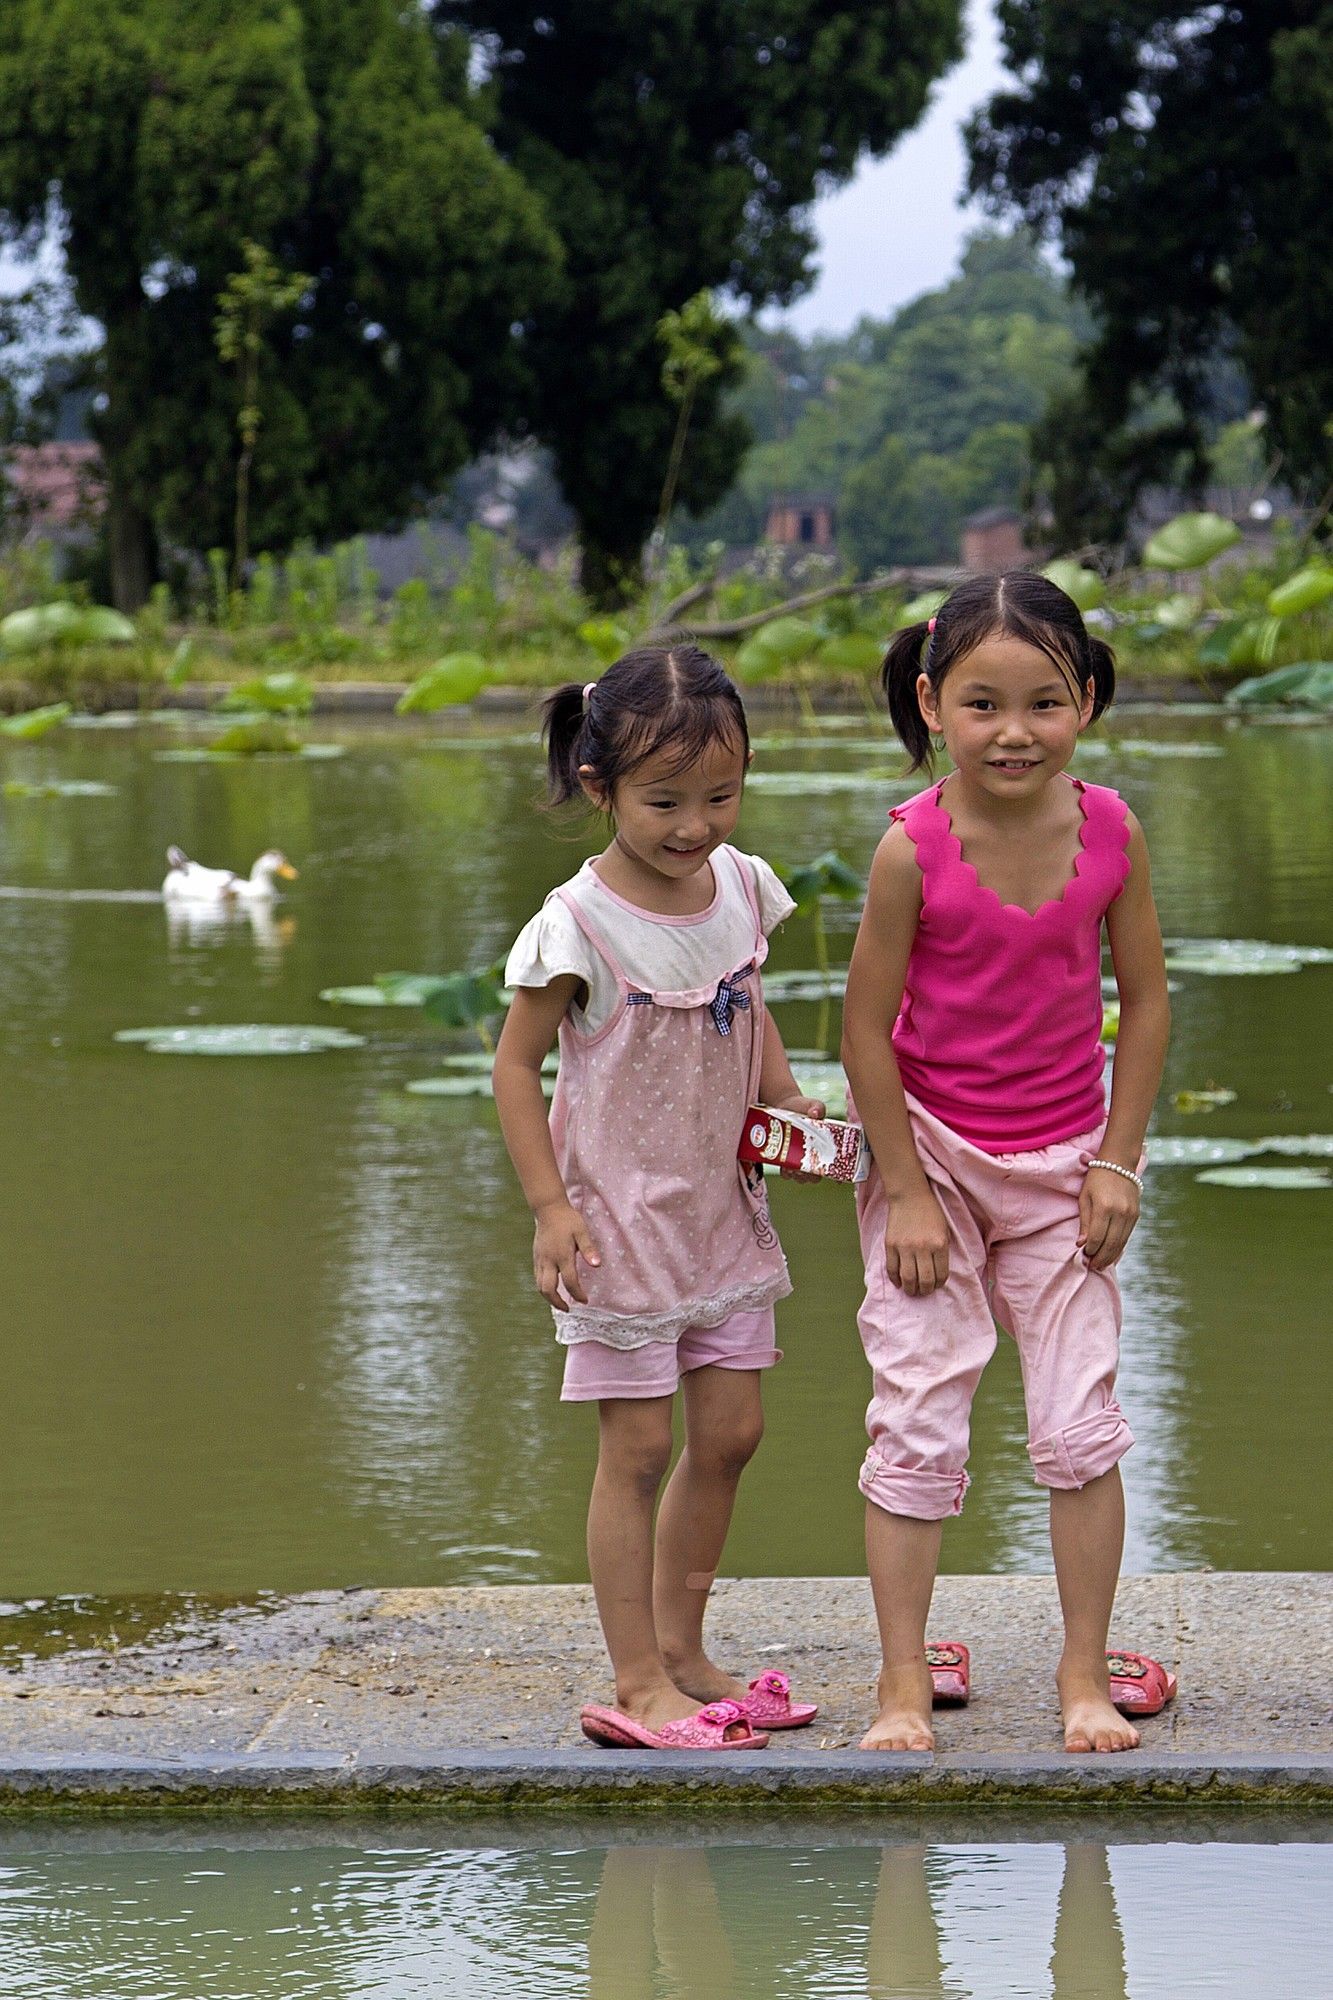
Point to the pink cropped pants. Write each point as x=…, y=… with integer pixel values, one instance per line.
x=1013, y=1257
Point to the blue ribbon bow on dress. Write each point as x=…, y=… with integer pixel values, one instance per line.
x=730, y=994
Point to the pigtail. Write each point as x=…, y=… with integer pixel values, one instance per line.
x=903, y=664
x=566, y=729
x=1101, y=672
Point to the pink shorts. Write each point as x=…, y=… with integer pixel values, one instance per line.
x=1013, y=1257
x=595, y=1372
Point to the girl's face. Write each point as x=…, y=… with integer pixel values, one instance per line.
x=1008, y=716
x=671, y=821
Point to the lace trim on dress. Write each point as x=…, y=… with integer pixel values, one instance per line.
x=624, y=1330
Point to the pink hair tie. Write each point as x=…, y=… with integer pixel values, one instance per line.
x=588, y=687
x=930, y=626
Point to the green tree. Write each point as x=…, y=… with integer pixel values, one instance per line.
x=246, y=303
x=1183, y=157
x=677, y=145
x=343, y=136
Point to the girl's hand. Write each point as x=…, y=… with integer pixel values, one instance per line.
x=916, y=1243
x=804, y=1107
x=561, y=1239
x=1108, y=1208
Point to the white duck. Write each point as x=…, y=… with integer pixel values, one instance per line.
x=188, y=882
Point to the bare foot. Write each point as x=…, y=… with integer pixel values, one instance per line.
x=1091, y=1723
x=903, y=1722
x=700, y=1679
x=653, y=1706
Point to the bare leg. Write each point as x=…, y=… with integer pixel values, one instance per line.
x=902, y=1555
x=1087, y=1536
x=904, y=1955
x=724, y=1421
x=634, y=1452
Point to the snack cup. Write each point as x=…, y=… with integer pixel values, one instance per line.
x=828, y=1147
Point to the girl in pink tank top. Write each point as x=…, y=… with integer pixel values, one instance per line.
x=1003, y=1188
x=653, y=1246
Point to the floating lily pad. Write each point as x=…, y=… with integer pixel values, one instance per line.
x=242, y=1039
x=1268, y=1177
x=795, y=783
x=1308, y=1145
x=811, y=985
x=60, y=788
x=451, y=1086
x=199, y=754
x=1176, y=1149
x=1210, y=1099
x=480, y=1062
x=365, y=996
x=1233, y=957
x=35, y=722
x=1164, y=747
x=111, y=718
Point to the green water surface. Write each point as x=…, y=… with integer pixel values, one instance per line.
x=268, y=1323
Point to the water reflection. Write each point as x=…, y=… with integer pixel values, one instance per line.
x=206, y=926
x=658, y=1932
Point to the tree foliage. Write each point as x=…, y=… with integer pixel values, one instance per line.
x=344, y=137
x=916, y=421
x=1183, y=157
x=677, y=145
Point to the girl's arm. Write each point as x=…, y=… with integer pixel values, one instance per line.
x=778, y=1087
x=1109, y=1204
x=561, y=1236
x=916, y=1241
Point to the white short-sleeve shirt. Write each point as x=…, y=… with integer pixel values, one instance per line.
x=660, y=955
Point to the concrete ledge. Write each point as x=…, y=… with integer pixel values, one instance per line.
x=469, y=1699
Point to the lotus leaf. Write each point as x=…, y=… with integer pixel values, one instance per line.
x=1302, y=592
x=1190, y=541
x=827, y=875
x=606, y=639
x=99, y=625
x=35, y=722
x=851, y=653
x=1177, y=613
x=1308, y=1145
x=780, y=644
x=60, y=788
x=363, y=996
x=792, y=784
x=919, y=608
x=261, y=736
x=456, y=679
x=243, y=1039
x=1164, y=747
x=1203, y=1100
x=1267, y=1177
x=1304, y=684
x=1178, y=1150
x=1233, y=957
x=806, y=984
x=271, y=694
x=40, y=625
x=1083, y=585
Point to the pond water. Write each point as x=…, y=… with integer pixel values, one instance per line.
x=268, y=1323
x=1069, y=1911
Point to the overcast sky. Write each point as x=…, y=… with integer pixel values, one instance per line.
x=895, y=230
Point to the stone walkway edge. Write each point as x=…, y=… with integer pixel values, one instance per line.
x=469, y=1698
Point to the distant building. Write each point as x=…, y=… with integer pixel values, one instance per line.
x=993, y=540
x=801, y=521
x=56, y=490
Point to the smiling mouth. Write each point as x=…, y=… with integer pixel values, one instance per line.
x=686, y=851
x=1014, y=763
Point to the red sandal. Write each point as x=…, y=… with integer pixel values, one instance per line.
x=1140, y=1685
x=719, y=1725
x=950, y=1666
x=769, y=1704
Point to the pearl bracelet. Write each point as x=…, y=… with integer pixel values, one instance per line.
x=1125, y=1172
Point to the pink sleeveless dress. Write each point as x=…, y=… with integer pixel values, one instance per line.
x=999, y=1032
x=645, y=1121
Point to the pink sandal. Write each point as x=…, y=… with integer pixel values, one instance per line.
x=950, y=1666
x=719, y=1725
x=769, y=1703
x=1140, y=1685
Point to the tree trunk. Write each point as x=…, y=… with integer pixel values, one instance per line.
x=609, y=577
x=131, y=547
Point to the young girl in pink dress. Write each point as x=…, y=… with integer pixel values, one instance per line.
x=1001, y=1182
x=652, y=1244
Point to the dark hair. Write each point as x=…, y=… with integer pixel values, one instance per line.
x=1017, y=604
x=656, y=698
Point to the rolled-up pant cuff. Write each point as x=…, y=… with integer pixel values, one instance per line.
x=922, y=1496
x=1068, y=1459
